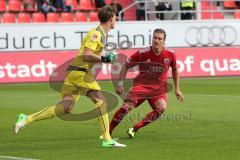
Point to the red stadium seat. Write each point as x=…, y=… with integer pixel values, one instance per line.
x=2, y=6
x=14, y=5
x=52, y=17
x=24, y=18
x=9, y=18
x=38, y=17
x=66, y=17
x=80, y=17
x=206, y=3
x=93, y=16
x=228, y=4
x=86, y=5
x=204, y=14
x=237, y=15
x=72, y=3
x=108, y=1
x=218, y=15
x=209, y=15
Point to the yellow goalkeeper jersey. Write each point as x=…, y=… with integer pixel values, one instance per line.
x=95, y=40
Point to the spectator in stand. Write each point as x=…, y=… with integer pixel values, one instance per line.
x=237, y=2
x=61, y=4
x=140, y=12
x=28, y=5
x=219, y=4
x=46, y=6
x=39, y=4
x=117, y=7
x=186, y=5
x=99, y=4
x=162, y=6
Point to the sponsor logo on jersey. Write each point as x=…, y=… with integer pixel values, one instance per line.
x=165, y=60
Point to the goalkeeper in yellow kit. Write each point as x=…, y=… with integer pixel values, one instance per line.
x=80, y=80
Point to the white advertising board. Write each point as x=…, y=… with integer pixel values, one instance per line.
x=42, y=37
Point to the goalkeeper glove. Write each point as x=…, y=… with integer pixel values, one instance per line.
x=109, y=58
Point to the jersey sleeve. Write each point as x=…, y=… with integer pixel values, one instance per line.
x=133, y=60
x=173, y=64
x=92, y=40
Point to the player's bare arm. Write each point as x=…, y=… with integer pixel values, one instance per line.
x=178, y=93
x=88, y=56
x=120, y=88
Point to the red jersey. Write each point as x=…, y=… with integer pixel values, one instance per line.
x=153, y=70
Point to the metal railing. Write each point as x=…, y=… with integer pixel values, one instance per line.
x=198, y=10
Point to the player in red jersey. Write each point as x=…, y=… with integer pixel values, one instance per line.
x=150, y=84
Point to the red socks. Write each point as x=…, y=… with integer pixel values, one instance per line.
x=150, y=117
x=117, y=118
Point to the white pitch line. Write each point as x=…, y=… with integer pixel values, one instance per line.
x=17, y=158
x=211, y=95
x=25, y=96
x=215, y=95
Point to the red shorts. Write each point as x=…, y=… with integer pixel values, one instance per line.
x=138, y=97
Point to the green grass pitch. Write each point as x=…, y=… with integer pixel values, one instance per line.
x=205, y=126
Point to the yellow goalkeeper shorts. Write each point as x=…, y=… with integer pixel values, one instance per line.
x=79, y=83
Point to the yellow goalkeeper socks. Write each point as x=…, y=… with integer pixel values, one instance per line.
x=103, y=120
x=46, y=113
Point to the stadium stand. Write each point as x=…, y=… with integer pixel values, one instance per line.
x=38, y=17
x=29, y=6
x=229, y=4
x=108, y=2
x=86, y=5
x=210, y=12
x=24, y=18
x=73, y=3
x=2, y=6
x=52, y=17
x=14, y=5
x=80, y=17
x=237, y=15
x=85, y=11
x=66, y=17
x=93, y=16
x=130, y=14
x=9, y=18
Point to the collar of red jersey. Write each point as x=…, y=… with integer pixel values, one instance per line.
x=160, y=52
